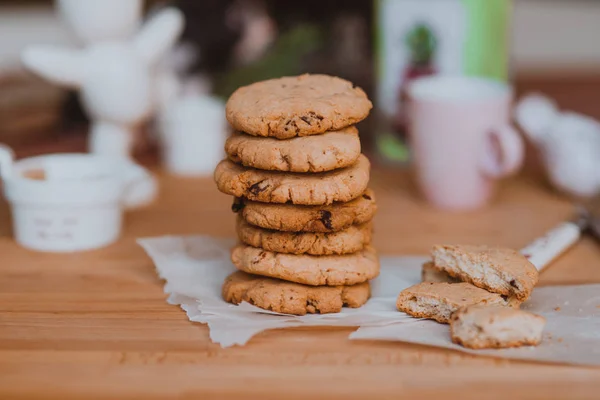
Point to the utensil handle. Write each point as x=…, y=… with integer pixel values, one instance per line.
x=543, y=250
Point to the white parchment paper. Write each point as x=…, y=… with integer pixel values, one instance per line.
x=195, y=267
x=572, y=333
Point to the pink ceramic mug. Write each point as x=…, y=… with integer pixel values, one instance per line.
x=461, y=139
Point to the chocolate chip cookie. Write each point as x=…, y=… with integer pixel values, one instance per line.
x=296, y=106
x=326, y=152
x=292, y=298
x=349, y=240
x=287, y=187
x=292, y=218
x=347, y=269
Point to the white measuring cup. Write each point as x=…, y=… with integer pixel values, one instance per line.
x=71, y=202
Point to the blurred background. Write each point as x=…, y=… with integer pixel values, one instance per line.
x=544, y=45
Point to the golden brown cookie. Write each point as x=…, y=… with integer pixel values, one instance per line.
x=293, y=218
x=481, y=327
x=296, y=106
x=326, y=152
x=439, y=300
x=349, y=269
x=292, y=298
x=349, y=240
x=288, y=187
x=497, y=269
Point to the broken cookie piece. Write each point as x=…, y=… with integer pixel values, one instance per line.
x=480, y=327
x=499, y=270
x=429, y=273
x=439, y=301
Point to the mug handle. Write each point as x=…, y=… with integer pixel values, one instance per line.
x=140, y=187
x=502, y=153
x=7, y=158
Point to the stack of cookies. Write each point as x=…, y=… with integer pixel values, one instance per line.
x=299, y=181
x=478, y=291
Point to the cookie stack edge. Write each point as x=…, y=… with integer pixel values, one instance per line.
x=299, y=183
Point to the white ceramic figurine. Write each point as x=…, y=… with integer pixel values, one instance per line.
x=568, y=142
x=115, y=70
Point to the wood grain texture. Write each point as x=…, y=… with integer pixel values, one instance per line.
x=96, y=325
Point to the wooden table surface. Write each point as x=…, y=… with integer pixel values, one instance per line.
x=96, y=325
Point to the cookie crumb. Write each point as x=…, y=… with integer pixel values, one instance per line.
x=556, y=308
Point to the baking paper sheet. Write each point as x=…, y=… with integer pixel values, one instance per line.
x=195, y=267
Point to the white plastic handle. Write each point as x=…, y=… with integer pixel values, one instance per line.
x=502, y=153
x=7, y=158
x=140, y=187
x=543, y=250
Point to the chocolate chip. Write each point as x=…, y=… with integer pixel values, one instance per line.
x=326, y=219
x=366, y=196
x=261, y=255
x=315, y=115
x=296, y=129
x=238, y=204
x=504, y=297
x=289, y=121
x=257, y=188
x=305, y=119
x=513, y=283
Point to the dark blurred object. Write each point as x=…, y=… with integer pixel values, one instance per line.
x=332, y=37
x=30, y=108
x=346, y=25
x=207, y=28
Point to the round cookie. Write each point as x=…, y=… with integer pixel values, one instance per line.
x=292, y=218
x=296, y=106
x=347, y=269
x=326, y=152
x=349, y=240
x=282, y=187
x=292, y=298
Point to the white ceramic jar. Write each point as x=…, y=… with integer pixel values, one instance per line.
x=193, y=131
x=71, y=202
